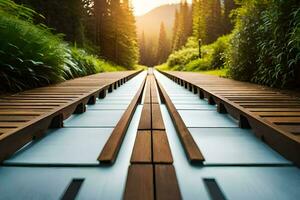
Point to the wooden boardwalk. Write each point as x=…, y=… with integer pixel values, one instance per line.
x=151, y=174
x=27, y=115
x=274, y=116
x=149, y=139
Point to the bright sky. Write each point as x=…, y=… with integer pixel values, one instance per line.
x=143, y=6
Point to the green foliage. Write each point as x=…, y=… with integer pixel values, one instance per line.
x=212, y=56
x=182, y=57
x=116, y=32
x=31, y=56
x=265, y=43
x=211, y=19
x=182, y=26
x=219, y=49
x=163, y=49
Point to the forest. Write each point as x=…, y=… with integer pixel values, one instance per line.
x=253, y=40
x=45, y=42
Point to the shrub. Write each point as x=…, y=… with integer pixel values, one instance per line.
x=219, y=49
x=212, y=56
x=30, y=56
x=278, y=47
x=242, y=53
x=265, y=43
x=182, y=57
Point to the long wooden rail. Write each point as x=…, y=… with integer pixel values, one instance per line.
x=27, y=115
x=192, y=151
x=273, y=115
x=151, y=174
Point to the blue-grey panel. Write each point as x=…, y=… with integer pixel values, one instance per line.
x=95, y=118
x=234, y=146
x=65, y=146
x=107, y=107
x=101, y=182
x=189, y=102
x=247, y=183
x=204, y=118
x=195, y=107
x=114, y=101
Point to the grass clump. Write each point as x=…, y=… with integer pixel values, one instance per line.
x=32, y=56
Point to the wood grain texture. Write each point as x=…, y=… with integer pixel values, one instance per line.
x=192, y=151
x=272, y=114
x=161, y=148
x=166, y=184
x=27, y=115
x=142, y=150
x=139, y=184
x=157, y=119
x=147, y=98
x=145, y=120
x=110, y=151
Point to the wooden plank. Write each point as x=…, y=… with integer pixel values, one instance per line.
x=154, y=96
x=16, y=133
x=145, y=120
x=166, y=184
x=279, y=130
x=192, y=151
x=110, y=151
x=139, y=184
x=161, y=148
x=294, y=129
x=142, y=151
x=278, y=114
x=147, y=98
x=13, y=118
x=284, y=120
x=278, y=109
x=20, y=113
x=11, y=124
x=157, y=119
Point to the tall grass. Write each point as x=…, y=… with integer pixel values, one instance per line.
x=32, y=56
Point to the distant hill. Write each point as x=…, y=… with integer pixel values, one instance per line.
x=150, y=22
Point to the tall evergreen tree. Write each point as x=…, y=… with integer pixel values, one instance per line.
x=63, y=16
x=213, y=21
x=182, y=26
x=176, y=28
x=163, y=45
x=143, y=49
x=229, y=5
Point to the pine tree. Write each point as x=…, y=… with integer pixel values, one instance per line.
x=182, y=26
x=229, y=5
x=143, y=52
x=163, y=45
x=175, y=31
x=213, y=21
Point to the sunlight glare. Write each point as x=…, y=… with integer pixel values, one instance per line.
x=143, y=6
